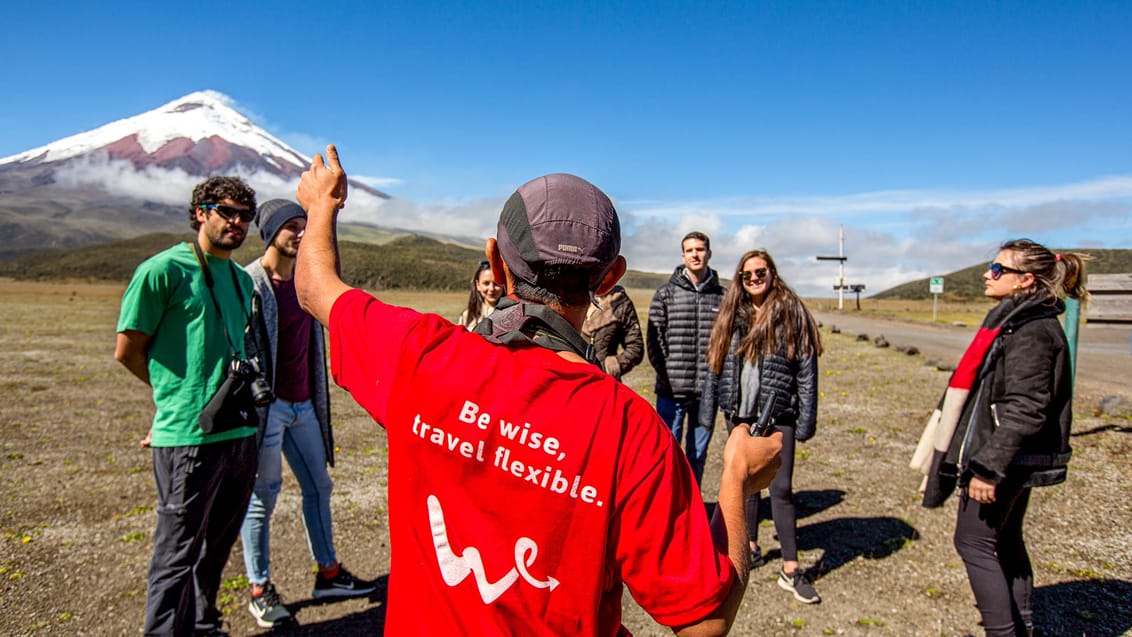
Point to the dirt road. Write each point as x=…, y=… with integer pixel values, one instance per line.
x=1104, y=358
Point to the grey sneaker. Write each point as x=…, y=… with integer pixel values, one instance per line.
x=342, y=585
x=796, y=583
x=268, y=608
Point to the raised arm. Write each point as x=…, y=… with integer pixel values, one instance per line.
x=322, y=193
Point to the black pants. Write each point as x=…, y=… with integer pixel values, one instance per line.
x=781, y=500
x=989, y=539
x=202, y=494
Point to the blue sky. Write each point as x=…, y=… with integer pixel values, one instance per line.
x=930, y=131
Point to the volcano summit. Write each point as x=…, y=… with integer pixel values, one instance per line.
x=134, y=175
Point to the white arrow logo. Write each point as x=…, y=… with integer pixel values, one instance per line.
x=455, y=568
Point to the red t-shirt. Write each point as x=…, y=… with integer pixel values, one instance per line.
x=523, y=488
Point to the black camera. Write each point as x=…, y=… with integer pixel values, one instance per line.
x=247, y=369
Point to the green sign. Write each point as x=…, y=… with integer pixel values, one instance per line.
x=935, y=286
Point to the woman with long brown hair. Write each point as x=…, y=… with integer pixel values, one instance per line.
x=763, y=368
x=484, y=295
x=1002, y=426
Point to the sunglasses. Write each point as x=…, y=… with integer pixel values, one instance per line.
x=996, y=270
x=227, y=212
x=757, y=274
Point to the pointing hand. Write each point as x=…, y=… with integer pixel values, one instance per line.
x=323, y=183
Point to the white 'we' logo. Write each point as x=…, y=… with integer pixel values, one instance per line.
x=455, y=568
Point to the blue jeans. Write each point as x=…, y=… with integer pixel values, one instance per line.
x=674, y=412
x=294, y=429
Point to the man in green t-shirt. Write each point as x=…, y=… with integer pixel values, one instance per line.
x=179, y=336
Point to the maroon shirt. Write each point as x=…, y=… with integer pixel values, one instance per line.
x=292, y=372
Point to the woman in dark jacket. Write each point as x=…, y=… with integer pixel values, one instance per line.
x=1003, y=425
x=612, y=327
x=763, y=368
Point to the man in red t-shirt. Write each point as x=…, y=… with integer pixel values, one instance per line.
x=526, y=486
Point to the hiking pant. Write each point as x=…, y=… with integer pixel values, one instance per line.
x=989, y=539
x=781, y=500
x=202, y=494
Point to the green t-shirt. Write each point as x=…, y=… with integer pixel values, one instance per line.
x=189, y=355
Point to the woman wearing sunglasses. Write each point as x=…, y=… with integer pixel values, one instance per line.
x=1002, y=426
x=483, y=297
x=763, y=369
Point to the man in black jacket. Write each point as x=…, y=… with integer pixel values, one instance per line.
x=680, y=319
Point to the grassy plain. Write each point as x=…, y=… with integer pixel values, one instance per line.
x=918, y=311
x=76, y=522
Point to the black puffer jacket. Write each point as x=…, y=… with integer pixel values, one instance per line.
x=680, y=320
x=1018, y=417
x=793, y=383
x=615, y=326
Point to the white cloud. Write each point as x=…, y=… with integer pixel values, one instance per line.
x=894, y=201
x=173, y=187
x=471, y=218
x=376, y=182
x=891, y=237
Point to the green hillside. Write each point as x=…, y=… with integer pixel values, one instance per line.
x=967, y=283
x=409, y=261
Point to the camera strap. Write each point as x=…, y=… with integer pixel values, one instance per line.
x=209, y=283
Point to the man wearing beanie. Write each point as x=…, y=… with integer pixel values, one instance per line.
x=297, y=422
x=527, y=487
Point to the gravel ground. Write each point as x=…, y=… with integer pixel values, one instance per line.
x=77, y=517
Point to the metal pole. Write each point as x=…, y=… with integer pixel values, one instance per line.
x=1072, y=322
x=935, y=300
x=841, y=281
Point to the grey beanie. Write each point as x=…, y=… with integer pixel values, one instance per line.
x=273, y=215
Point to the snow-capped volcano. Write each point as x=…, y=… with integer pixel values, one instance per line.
x=135, y=175
x=200, y=133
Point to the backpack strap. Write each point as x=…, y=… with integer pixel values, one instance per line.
x=520, y=324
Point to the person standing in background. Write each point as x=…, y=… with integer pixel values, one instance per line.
x=763, y=368
x=297, y=421
x=680, y=318
x=482, y=299
x=1003, y=425
x=612, y=325
x=179, y=332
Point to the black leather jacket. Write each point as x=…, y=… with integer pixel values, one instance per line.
x=794, y=383
x=1017, y=419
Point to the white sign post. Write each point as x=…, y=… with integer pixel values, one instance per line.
x=935, y=286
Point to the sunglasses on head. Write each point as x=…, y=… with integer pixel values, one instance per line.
x=747, y=275
x=227, y=212
x=996, y=270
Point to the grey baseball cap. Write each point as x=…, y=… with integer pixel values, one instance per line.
x=558, y=219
